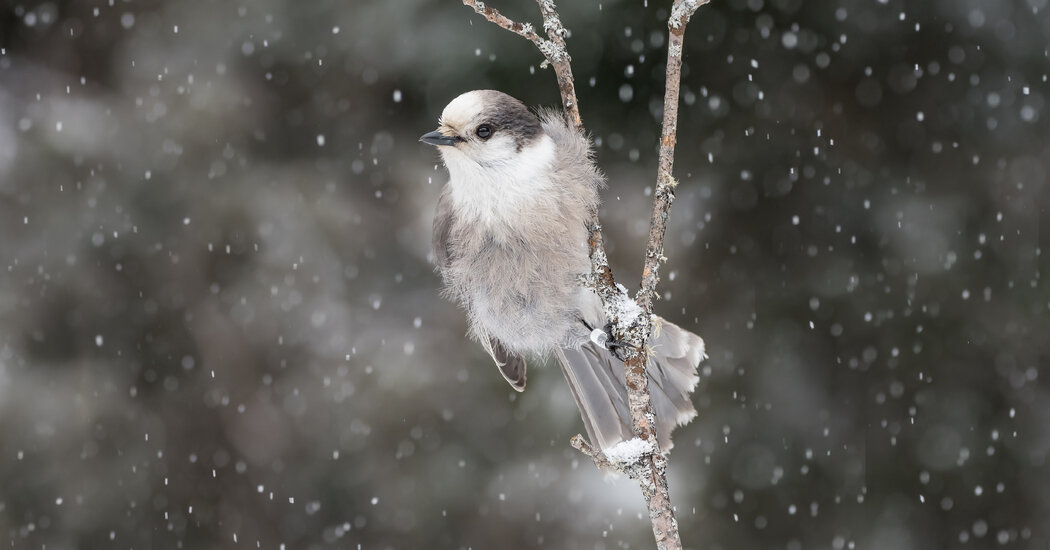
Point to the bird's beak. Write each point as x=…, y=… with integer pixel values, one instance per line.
x=437, y=138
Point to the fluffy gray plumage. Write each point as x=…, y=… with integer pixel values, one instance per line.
x=510, y=242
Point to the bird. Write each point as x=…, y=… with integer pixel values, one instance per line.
x=510, y=241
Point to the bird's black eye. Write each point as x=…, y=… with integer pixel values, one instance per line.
x=484, y=131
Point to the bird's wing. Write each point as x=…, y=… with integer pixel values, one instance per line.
x=443, y=219
x=510, y=364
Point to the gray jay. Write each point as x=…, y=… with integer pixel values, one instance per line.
x=510, y=242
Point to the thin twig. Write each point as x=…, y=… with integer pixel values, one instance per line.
x=665, y=182
x=651, y=472
x=654, y=487
x=552, y=48
x=600, y=461
x=562, y=62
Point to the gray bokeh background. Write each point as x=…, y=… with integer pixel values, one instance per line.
x=219, y=327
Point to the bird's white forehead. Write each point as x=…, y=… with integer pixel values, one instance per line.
x=463, y=109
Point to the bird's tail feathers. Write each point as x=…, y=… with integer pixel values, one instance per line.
x=596, y=378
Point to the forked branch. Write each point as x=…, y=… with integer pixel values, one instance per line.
x=651, y=471
x=552, y=47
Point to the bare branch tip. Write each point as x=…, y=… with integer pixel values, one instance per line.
x=600, y=461
x=682, y=11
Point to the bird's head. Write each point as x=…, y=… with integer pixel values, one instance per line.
x=484, y=129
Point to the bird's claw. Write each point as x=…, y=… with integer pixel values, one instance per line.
x=612, y=342
x=604, y=338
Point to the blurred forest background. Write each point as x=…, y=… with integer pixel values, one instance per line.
x=219, y=326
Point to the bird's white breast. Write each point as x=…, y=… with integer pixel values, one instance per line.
x=503, y=191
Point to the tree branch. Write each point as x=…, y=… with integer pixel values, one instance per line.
x=654, y=486
x=665, y=182
x=597, y=456
x=651, y=470
x=552, y=48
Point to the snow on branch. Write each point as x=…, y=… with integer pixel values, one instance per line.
x=629, y=452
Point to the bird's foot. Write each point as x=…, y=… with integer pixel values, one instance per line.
x=604, y=338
